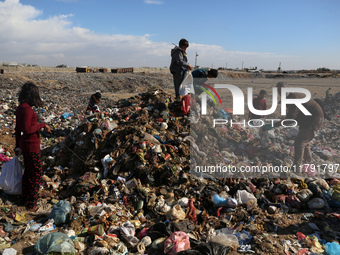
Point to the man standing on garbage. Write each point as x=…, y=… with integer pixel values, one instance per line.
x=179, y=64
x=308, y=125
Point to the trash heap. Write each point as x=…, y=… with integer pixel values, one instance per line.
x=119, y=182
x=241, y=144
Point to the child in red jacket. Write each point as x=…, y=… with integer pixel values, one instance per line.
x=28, y=142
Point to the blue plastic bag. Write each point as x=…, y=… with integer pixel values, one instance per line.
x=332, y=248
x=60, y=212
x=65, y=115
x=55, y=243
x=243, y=237
x=222, y=202
x=11, y=177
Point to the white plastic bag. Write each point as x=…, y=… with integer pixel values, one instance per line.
x=187, y=85
x=11, y=177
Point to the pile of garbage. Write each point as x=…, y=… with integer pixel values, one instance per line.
x=119, y=182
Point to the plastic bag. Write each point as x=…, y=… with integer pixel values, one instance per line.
x=243, y=237
x=9, y=251
x=186, y=104
x=127, y=230
x=175, y=213
x=176, y=242
x=187, y=85
x=222, y=114
x=316, y=203
x=314, y=245
x=66, y=115
x=11, y=177
x=225, y=239
x=243, y=196
x=221, y=202
x=210, y=248
x=332, y=248
x=55, y=243
x=60, y=212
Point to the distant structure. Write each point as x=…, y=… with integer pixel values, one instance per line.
x=122, y=70
x=12, y=63
x=196, y=66
x=279, y=68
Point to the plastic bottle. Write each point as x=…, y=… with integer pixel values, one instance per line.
x=48, y=226
x=94, y=230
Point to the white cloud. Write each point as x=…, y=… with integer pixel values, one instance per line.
x=153, y=2
x=217, y=56
x=27, y=39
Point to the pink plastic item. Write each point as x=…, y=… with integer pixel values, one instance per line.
x=300, y=236
x=186, y=104
x=304, y=252
x=176, y=242
x=4, y=158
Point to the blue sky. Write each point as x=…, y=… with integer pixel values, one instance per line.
x=301, y=34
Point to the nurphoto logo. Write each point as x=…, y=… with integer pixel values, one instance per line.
x=238, y=106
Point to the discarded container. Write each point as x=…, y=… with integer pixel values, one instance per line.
x=49, y=226
x=94, y=230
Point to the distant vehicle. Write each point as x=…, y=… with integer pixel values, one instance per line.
x=62, y=66
x=254, y=71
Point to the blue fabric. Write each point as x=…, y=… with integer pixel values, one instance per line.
x=200, y=73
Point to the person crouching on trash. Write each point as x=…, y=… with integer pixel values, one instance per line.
x=308, y=125
x=94, y=100
x=28, y=142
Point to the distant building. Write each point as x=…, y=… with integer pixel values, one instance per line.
x=10, y=63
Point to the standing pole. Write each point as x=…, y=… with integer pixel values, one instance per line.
x=196, y=60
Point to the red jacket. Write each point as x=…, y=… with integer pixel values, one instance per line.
x=259, y=104
x=27, y=129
